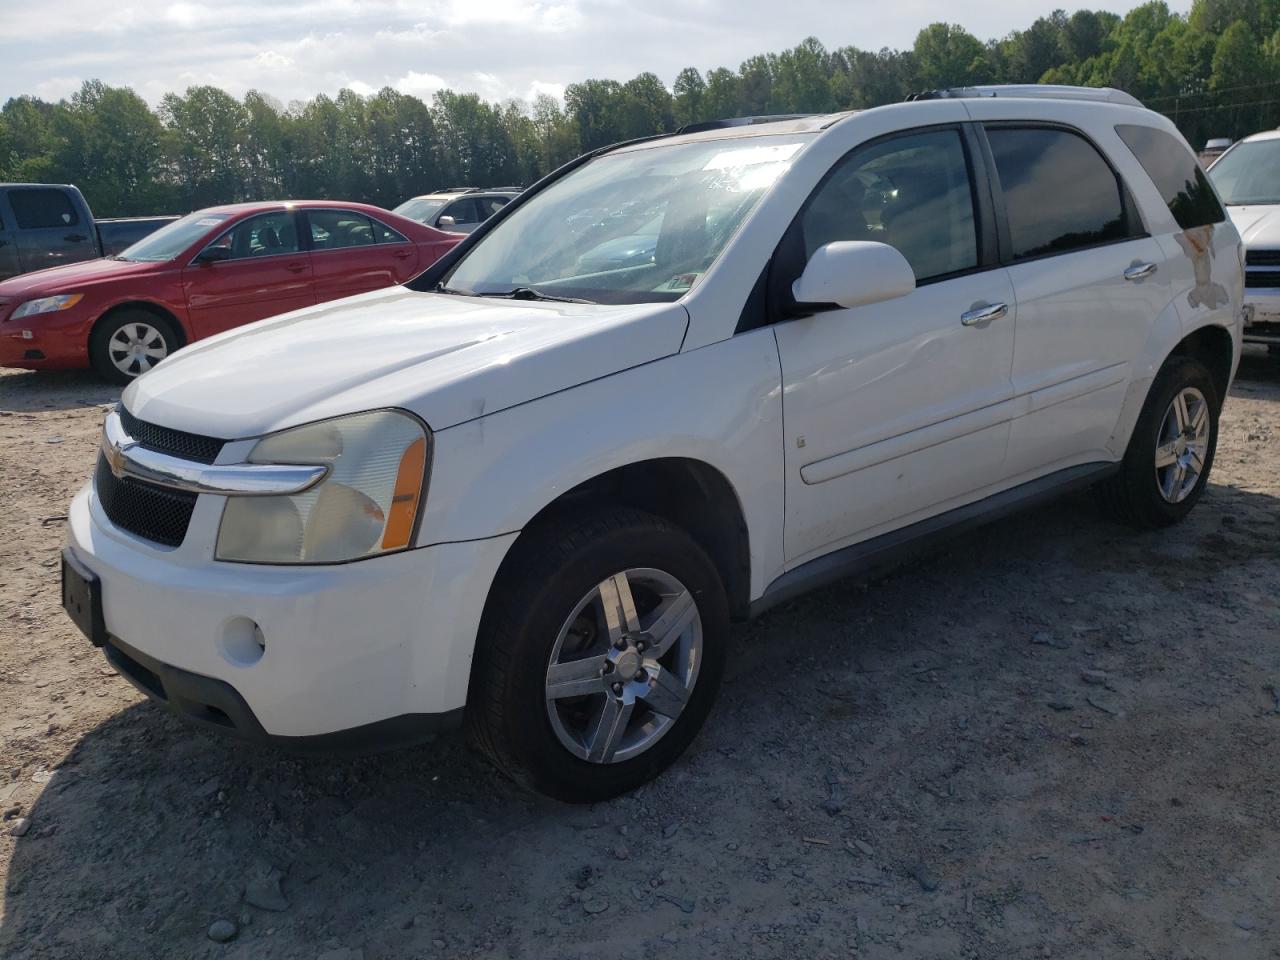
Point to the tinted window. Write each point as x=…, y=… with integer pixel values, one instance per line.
x=36, y=209
x=264, y=236
x=491, y=205
x=1172, y=167
x=337, y=229
x=912, y=192
x=384, y=234
x=1059, y=193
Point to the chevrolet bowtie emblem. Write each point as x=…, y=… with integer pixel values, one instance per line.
x=115, y=456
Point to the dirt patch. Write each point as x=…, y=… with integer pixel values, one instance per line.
x=1055, y=738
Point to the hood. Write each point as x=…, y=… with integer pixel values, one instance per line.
x=70, y=277
x=1258, y=224
x=447, y=358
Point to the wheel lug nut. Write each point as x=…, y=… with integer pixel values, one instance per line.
x=641, y=646
x=620, y=643
x=608, y=666
x=617, y=688
x=640, y=676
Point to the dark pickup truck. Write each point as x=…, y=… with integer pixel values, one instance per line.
x=45, y=225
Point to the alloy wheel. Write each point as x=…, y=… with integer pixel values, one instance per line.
x=1182, y=445
x=624, y=665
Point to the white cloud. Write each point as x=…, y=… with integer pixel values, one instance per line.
x=421, y=85
x=295, y=49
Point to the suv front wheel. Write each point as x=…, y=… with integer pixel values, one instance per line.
x=599, y=656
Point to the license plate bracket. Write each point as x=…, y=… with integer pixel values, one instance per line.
x=82, y=598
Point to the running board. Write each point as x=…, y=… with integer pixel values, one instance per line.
x=888, y=549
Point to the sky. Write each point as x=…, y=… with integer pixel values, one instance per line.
x=295, y=49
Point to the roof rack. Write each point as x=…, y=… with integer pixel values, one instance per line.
x=739, y=122
x=456, y=190
x=1041, y=91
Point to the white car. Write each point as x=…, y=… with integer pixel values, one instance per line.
x=534, y=498
x=1248, y=179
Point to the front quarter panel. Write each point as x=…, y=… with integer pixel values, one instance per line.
x=721, y=405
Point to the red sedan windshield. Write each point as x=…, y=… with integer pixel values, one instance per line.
x=169, y=241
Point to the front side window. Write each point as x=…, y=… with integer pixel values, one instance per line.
x=263, y=236
x=1059, y=194
x=1249, y=173
x=638, y=226
x=912, y=192
x=37, y=209
x=1174, y=170
x=171, y=239
x=339, y=229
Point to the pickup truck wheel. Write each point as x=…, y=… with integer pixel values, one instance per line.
x=599, y=656
x=1167, y=463
x=126, y=344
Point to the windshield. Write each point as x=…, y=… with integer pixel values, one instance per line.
x=420, y=210
x=640, y=226
x=1250, y=173
x=169, y=241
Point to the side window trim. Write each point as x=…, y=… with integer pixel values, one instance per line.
x=1135, y=228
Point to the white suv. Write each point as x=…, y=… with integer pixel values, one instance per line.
x=534, y=496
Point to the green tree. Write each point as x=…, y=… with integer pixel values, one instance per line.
x=947, y=55
x=689, y=90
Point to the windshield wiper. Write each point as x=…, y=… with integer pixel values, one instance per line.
x=529, y=293
x=441, y=288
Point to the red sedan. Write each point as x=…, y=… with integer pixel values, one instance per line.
x=207, y=272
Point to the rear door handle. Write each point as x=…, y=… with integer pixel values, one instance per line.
x=402, y=255
x=295, y=267
x=1139, y=271
x=981, y=316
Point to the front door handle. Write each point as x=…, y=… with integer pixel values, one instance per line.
x=295, y=267
x=1140, y=271
x=402, y=255
x=981, y=316
x=74, y=237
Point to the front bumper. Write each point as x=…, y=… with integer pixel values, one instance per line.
x=1262, y=315
x=385, y=641
x=47, y=341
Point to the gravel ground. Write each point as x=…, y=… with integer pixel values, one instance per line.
x=1053, y=738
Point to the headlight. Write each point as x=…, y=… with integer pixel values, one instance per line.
x=47, y=305
x=367, y=503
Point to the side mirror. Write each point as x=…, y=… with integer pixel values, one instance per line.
x=446, y=221
x=853, y=273
x=213, y=255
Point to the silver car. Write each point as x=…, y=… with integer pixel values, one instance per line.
x=457, y=209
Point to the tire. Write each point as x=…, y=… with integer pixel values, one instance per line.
x=1141, y=494
x=536, y=618
x=156, y=336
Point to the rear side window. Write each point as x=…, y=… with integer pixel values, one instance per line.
x=1059, y=194
x=337, y=229
x=39, y=209
x=384, y=234
x=1172, y=167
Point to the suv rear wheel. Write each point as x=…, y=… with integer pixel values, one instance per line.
x=599, y=655
x=1167, y=463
